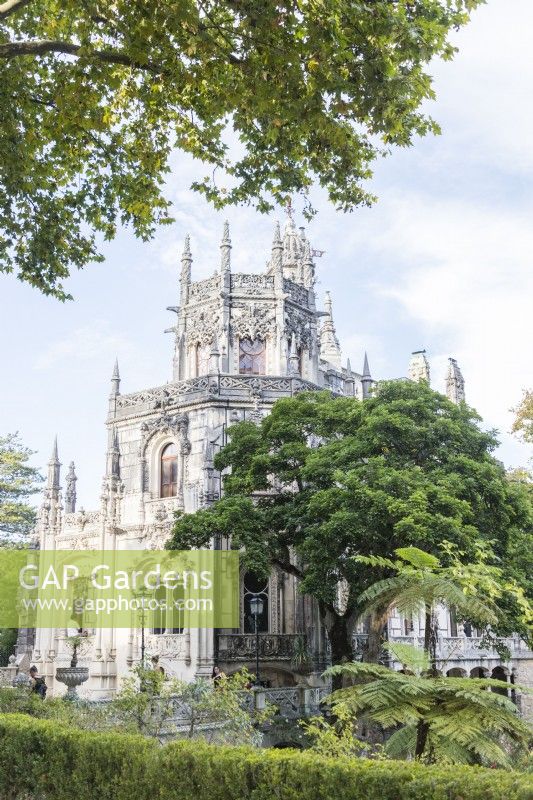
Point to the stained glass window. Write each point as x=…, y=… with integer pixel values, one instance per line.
x=169, y=471
x=251, y=357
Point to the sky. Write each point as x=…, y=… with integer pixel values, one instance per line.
x=441, y=262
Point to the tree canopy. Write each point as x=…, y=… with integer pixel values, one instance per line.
x=324, y=479
x=271, y=96
x=18, y=481
x=523, y=421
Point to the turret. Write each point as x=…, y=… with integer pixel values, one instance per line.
x=186, y=271
x=455, y=383
x=330, y=350
x=70, y=489
x=418, y=367
x=366, y=379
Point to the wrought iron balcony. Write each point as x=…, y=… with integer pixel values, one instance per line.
x=272, y=646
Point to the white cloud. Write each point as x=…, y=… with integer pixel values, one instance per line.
x=468, y=281
x=95, y=342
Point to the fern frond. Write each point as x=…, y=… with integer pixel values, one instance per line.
x=413, y=657
x=402, y=743
x=417, y=558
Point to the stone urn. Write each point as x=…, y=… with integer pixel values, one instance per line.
x=72, y=677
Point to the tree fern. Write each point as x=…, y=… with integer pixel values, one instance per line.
x=461, y=720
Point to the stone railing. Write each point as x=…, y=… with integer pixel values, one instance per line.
x=450, y=648
x=272, y=646
x=252, y=284
x=213, y=386
x=291, y=701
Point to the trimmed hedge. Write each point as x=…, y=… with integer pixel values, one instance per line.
x=44, y=760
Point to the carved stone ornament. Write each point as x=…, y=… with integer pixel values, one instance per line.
x=299, y=323
x=202, y=325
x=253, y=321
x=177, y=424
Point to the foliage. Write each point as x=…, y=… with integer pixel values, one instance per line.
x=523, y=421
x=336, y=737
x=8, y=640
x=85, y=716
x=421, y=584
x=18, y=480
x=149, y=703
x=323, y=479
x=270, y=96
x=460, y=720
x=39, y=758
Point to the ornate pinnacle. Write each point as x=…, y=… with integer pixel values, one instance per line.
x=186, y=261
x=277, y=251
x=225, y=249
x=366, y=380
x=115, y=379
x=70, y=489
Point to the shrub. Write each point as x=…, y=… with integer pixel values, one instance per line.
x=44, y=760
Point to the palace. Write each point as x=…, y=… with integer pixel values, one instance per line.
x=241, y=341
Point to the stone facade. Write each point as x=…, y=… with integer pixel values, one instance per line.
x=241, y=341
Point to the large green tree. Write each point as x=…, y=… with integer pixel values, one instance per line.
x=18, y=481
x=323, y=479
x=94, y=96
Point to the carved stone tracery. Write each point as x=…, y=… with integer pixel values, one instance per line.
x=253, y=321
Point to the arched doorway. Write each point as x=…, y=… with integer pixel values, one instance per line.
x=479, y=672
x=500, y=674
x=456, y=672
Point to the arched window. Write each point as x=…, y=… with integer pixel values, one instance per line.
x=169, y=471
x=253, y=586
x=251, y=357
x=202, y=354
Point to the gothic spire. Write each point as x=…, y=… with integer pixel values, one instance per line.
x=329, y=344
x=115, y=379
x=366, y=379
x=54, y=466
x=70, y=489
x=225, y=249
x=418, y=367
x=308, y=265
x=349, y=381
x=186, y=262
x=455, y=383
x=276, y=263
